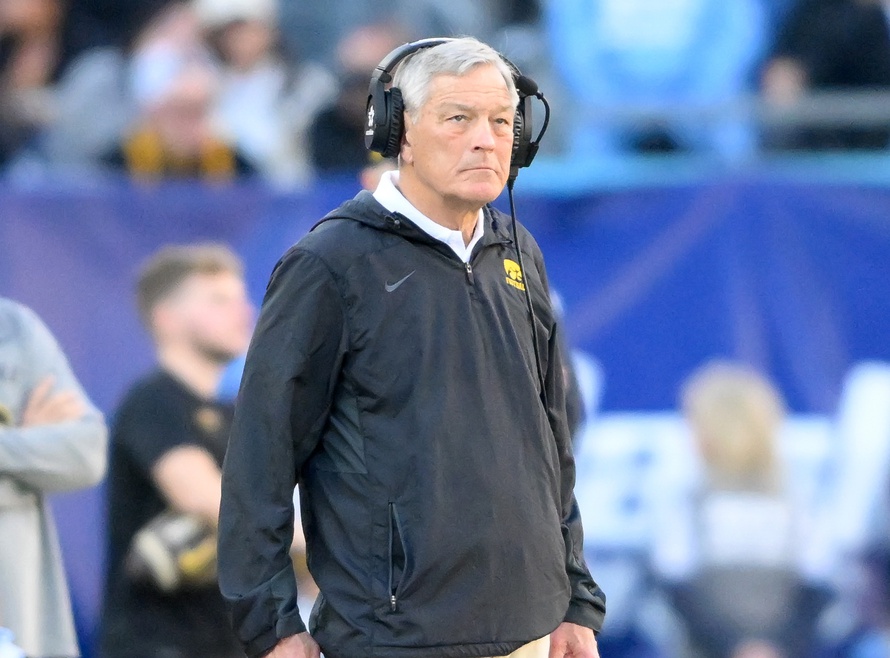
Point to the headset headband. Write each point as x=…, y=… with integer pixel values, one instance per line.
x=385, y=107
x=384, y=69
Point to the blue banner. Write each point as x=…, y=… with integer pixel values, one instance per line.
x=790, y=277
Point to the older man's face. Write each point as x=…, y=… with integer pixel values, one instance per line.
x=459, y=147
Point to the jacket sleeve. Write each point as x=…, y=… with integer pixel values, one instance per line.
x=286, y=392
x=587, y=606
x=56, y=457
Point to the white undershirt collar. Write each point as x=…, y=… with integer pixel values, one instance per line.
x=390, y=197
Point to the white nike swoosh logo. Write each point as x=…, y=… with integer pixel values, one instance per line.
x=392, y=286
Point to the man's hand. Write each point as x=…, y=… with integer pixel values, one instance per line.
x=573, y=641
x=295, y=646
x=46, y=408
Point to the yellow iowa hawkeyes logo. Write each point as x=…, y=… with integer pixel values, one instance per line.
x=514, y=274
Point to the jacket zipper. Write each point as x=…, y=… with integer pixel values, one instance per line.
x=477, y=252
x=393, y=527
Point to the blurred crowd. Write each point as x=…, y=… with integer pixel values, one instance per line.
x=276, y=90
x=216, y=89
x=204, y=89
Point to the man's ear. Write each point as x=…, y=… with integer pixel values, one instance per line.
x=406, y=153
x=162, y=320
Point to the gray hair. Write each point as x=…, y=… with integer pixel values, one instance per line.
x=458, y=57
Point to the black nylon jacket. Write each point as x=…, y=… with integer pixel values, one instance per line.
x=398, y=386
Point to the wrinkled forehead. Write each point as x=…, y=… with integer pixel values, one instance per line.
x=416, y=75
x=483, y=83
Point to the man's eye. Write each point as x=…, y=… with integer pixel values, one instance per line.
x=458, y=118
x=502, y=121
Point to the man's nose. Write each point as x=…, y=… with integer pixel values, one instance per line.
x=483, y=136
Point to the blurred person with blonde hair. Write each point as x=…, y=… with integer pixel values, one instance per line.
x=730, y=554
x=735, y=415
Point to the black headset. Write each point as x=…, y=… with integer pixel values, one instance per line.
x=386, y=109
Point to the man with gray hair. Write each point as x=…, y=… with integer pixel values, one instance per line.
x=406, y=372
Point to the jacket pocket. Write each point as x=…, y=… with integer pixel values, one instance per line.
x=396, y=556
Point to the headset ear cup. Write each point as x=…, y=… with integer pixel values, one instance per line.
x=518, y=128
x=372, y=130
x=522, y=134
x=395, y=110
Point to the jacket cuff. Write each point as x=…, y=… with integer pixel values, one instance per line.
x=582, y=613
x=290, y=624
x=269, y=615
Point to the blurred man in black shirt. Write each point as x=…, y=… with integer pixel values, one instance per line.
x=168, y=443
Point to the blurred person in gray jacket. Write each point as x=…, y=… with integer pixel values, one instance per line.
x=52, y=439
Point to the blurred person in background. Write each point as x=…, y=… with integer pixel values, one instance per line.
x=576, y=413
x=830, y=45
x=266, y=101
x=92, y=89
x=492, y=21
x=168, y=443
x=872, y=638
x=30, y=44
x=174, y=85
x=377, y=166
x=313, y=29
x=15, y=128
x=732, y=556
x=91, y=93
x=337, y=136
x=30, y=51
x=660, y=58
x=95, y=24
x=52, y=439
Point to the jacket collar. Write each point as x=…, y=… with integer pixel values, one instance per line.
x=365, y=209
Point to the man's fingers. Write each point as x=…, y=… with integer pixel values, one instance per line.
x=41, y=391
x=58, y=408
x=36, y=401
x=557, y=648
x=296, y=646
x=65, y=406
x=572, y=641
